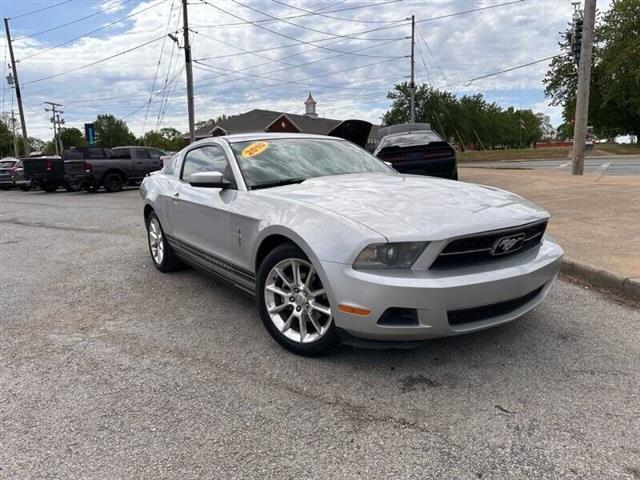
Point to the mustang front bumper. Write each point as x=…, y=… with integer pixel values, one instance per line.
x=445, y=301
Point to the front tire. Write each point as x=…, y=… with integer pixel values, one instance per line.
x=162, y=254
x=293, y=303
x=113, y=182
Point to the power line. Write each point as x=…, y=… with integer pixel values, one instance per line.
x=39, y=52
x=96, y=62
x=279, y=60
x=328, y=34
x=284, y=35
x=470, y=81
x=321, y=14
x=155, y=76
x=40, y=9
x=292, y=17
x=57, y=27
x=473, y=10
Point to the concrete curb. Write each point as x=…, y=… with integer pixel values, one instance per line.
x=628, y=288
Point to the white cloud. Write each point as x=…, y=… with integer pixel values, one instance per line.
x=111, y=6
x=463, y=47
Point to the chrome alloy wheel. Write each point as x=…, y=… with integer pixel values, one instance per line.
x=156, y=243
x=296, y=301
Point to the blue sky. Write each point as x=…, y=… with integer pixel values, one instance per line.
x=300, y=54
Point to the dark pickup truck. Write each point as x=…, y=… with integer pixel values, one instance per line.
x=112, y=169
x=48, y=172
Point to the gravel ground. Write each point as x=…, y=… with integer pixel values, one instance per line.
x=109, y=369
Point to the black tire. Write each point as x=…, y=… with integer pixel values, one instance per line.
x=25, y=188
x=454, y=175
x=113, y=182
x=326, y=343
x=169, y=262
x=72, y=185
x=49, y=187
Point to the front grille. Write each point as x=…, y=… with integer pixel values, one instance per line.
x=480, y=247
x=477, y=314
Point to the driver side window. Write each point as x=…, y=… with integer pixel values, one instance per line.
x=207, y=159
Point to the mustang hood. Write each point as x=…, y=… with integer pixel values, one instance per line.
x=411, y=207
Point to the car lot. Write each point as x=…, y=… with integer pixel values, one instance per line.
x=608, y=165
x=109, y=369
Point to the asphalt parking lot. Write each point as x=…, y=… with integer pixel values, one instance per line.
x=109, y=369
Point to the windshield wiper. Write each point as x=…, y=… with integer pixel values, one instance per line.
x=278, y=183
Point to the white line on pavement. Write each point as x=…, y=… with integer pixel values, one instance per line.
x=564, y=165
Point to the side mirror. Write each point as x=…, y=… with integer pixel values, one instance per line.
x=207, y=179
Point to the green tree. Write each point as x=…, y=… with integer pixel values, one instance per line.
x=6, y=137
x=112, y=132
x=211, y=122
x=469, y=120
x=72, y=137
x=614, y=97
x=167, y=138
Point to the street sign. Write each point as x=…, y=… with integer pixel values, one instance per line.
x=90, y=133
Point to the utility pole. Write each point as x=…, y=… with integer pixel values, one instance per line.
x=55, y=119
x=412, y=85
x=584, y=79
x=189, y=69
x=25, y=138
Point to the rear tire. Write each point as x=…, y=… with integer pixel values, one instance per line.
x=162, y=255
x=25, y=188
x=49, y=187
x=72, y=186
x=113, y=182
x=293, y=304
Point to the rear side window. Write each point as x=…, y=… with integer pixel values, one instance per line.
x=120, y=153
x=209, y=158
x=155, y=154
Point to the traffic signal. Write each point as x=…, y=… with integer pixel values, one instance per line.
x=576, y=39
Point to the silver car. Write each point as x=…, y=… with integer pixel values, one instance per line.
x=338, y=246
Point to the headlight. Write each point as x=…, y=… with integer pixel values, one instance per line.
x=390, y=255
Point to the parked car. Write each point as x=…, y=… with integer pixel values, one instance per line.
x=415, y=148
x=7, y=165
x=335, y=244
x=47, y=172
x=112, y=169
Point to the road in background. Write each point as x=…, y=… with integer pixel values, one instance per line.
x=110, y=369
x=609, y=165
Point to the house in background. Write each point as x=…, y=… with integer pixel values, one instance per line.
x=258, y=120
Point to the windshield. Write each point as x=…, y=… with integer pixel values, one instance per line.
x=409, y=139
x=7, y=164
x=276, y=161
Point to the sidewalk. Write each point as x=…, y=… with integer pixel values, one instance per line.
x=595, y=218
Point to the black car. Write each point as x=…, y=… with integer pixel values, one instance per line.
x=415, y=148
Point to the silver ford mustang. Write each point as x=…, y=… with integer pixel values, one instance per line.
x=338, y=246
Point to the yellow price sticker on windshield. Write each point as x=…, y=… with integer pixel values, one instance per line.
x=254, y=149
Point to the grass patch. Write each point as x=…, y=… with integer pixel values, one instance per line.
x=617, y=149
x=517, y=154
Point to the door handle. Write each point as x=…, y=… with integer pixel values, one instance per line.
x=177, y=194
